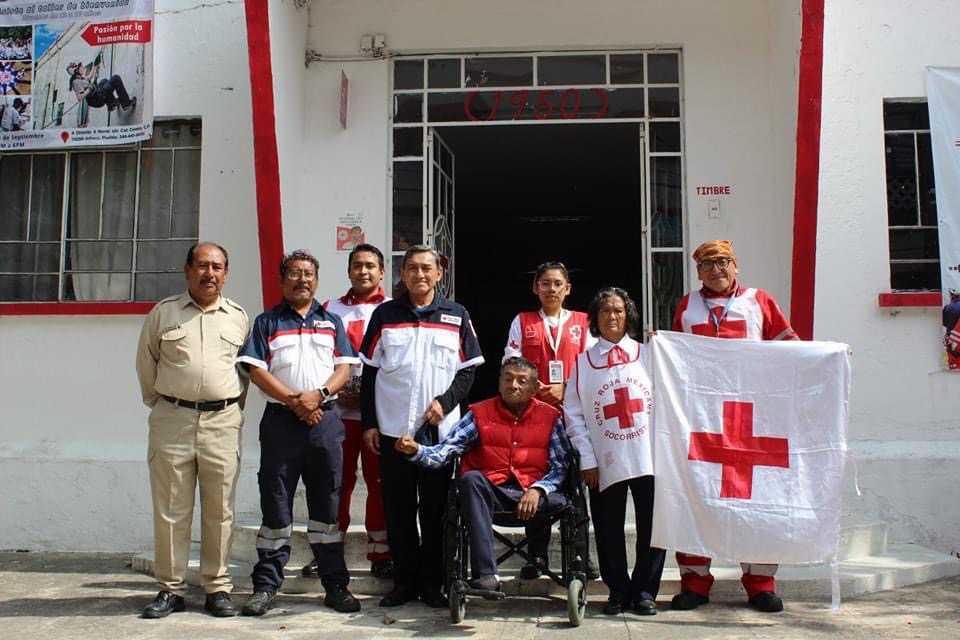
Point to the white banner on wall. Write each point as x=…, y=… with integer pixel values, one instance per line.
x=943, y=101
x=75, y=73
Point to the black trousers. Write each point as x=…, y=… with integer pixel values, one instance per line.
x=411, y=492
x=104, y=93
x=608, y=509
x=479, y=499
x=289, y=450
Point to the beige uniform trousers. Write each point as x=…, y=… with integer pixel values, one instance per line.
x=187, y=447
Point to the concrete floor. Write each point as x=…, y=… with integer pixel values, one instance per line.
x=86, y=596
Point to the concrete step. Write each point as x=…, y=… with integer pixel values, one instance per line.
x=856, y=540
x=900, y=565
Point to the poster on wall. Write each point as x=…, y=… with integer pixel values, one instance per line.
x=350, y=231
x=75, y=73
x=943, y=101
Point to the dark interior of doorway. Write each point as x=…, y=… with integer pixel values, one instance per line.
x=526, y=194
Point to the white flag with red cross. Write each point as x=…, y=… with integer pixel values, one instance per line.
x=749, y=447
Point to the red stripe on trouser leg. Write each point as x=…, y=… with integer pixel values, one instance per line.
x=695, y=573
x=758, y=578
x=373, y=516
x=352, y=443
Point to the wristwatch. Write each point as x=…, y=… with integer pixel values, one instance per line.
x=324, y=393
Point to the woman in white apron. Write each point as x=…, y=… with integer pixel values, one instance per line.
x=607, y=405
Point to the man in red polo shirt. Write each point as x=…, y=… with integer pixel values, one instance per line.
x=514, y=452
x=723, y=308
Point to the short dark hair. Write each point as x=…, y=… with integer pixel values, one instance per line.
x=520, y=363
x=207, y=243
x=364, y=247
x=553, y=264
x=420, y=248
x=633, y=316
x=295, y=256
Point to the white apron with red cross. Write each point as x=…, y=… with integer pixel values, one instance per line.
x=615, y=398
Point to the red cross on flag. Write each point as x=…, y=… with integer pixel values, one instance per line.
x=749, y=447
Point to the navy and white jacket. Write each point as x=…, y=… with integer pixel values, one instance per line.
x=417, y=354
x=300, y=352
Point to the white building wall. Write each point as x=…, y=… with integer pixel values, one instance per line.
x=905, y=411
x=739, y=79
x=73, y=432
x=73, y=436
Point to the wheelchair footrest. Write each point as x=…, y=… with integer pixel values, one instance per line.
x=486, y=594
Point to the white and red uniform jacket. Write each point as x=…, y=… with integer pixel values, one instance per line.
x=750, y=314
x=533, y=336
x=355, y=315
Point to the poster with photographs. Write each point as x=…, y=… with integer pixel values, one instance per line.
x=75, y=73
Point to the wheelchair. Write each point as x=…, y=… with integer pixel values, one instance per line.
x=574, y=531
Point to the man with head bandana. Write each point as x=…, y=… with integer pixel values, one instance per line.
x=723, y=308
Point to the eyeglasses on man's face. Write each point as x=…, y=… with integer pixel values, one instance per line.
x=716, y=263
x=300, y=274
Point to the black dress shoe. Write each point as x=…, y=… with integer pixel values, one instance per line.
x=219, y=604
x=488, y=583
x=400, y=595
x=382, y=569
x=614, y=606
x=767, y=601
x=532, y=571
x=310, y=570
x=645, y=607
x=686, y=600
x=434, y=599
x=340, y=599
x=259, y=603
x=163, y=605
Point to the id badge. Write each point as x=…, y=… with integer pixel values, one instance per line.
x=556, y=371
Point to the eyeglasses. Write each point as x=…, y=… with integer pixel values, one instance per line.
x=719, y=263
x=297, y=274
x=546, y=285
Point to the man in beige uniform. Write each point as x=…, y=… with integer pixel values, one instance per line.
x=186, y=363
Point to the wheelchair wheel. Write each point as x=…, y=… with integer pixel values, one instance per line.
x=458, y=602
x=576, y=602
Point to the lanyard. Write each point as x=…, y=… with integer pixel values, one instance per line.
x=723, y=314
x=555, y=344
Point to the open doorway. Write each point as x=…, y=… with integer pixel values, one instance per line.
x=529, y=194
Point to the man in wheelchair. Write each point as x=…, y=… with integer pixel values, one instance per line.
x=514, y=459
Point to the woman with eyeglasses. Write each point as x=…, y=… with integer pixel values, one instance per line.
x=607, y=410
x=723, y=308
x=551, y=338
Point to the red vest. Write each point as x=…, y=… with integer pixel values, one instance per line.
x=535, y=346
x=510, y=446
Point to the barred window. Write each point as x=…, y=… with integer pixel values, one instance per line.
x=103, y=224
x=911, y=197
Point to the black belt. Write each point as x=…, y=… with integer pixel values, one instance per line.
x=203, y=405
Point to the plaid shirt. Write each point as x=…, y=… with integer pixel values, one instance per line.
x=464, y=435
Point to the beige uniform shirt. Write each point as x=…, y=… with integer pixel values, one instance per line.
x=191, y=354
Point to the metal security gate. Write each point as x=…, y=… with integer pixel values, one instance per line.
x=536, y=89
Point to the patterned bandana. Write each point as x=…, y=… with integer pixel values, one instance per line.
x=713, y=249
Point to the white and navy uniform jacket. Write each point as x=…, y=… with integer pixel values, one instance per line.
x=355, y=315
x=749, y=314
x=606, y=407
x=301, y=352
x=417, y=352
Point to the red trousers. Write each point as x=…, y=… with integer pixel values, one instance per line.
x=353, y=449
x=695, y=575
